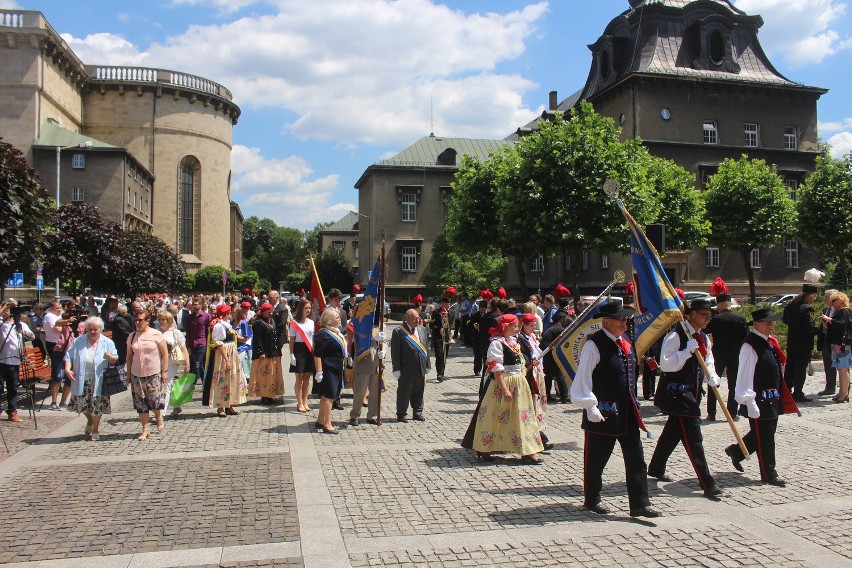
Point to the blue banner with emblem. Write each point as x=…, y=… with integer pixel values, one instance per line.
x=365, y=313
x=566, y=353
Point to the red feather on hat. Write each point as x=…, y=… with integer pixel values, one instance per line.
x=718, y=287
x=561, y=291
x=357, y=288
x=501, y=293
x=451, y=292
x=680, y=293
x=629, y=288
x=417, y=299
x=486, y=294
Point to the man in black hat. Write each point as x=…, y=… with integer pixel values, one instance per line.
x=759, y=389
x=727, y=330
x=679, y=395
x=798, y=315
x=602, y=386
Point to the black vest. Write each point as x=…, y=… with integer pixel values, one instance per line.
x=767, y=379
x=611, y=380
x=679, y=393
x=509, y=356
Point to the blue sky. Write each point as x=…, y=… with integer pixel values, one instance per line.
x=328, y=87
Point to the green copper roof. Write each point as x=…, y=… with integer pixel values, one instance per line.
x=53, y=135
x=425, y=151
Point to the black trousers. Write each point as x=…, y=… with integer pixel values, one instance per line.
x=9, y=377
x=478, y=354
x=684, y=429
x=796, y=370
x=598, y=449
x=465, y=329
x=555, y=376
x=760, y=439
x=732, y=366
x=830, y=372
x=440, y=351
x=648, y=380
x=410, y=391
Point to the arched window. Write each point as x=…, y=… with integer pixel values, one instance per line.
x=717, y=47
x=189, y=182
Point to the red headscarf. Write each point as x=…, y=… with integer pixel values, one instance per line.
x=503, y=323
x=527, y=318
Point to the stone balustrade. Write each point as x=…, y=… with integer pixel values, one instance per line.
x=159, y=76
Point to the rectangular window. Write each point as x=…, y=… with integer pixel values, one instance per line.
x=711, y=135
x=79, y=161
x=568, y=263
x=751, y=135
x=78, y=194
x=585, y=261
x=792, y=188
x=537, y=264
x=791, y=253
x=791, y=138
x=135, y=199
x=712, y=257
x=355, y=249
x=409, y=259
x=409, y=207
x=337, y=245
x=128, y=195
x=755, y=258
x=604, y=261
x=131, y=171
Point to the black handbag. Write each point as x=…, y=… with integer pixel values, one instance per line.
x=113, y=381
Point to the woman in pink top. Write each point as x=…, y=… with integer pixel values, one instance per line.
x=148, y=369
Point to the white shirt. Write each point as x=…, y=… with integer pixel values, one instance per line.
x=308, y=327
x=744, y=392
x=672, y=359
x=495, y=353
x=581, y=388
x=50, y=334
x=11, y=353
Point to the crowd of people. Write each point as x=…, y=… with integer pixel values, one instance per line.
x=236, y=348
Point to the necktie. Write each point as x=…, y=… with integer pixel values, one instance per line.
x=702, y=347
x=782, y=357
x=623, y=345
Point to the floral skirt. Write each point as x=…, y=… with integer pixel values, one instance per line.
x=267, y=378
x=842, y=357
x=229, y=385
x=89, y=403
x=540, y=400
x=149, y=393
x=507, y=425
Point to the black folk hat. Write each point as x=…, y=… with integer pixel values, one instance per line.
x=810, y=289
x=613, y=310
x=764, y=315
x=723, y=298
x=700, y=304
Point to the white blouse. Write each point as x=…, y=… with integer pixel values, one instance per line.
x=307, y=328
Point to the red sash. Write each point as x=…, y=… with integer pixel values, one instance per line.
x=295, y=325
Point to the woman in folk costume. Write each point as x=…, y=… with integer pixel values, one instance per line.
x=505, y=418
x=534, y=371
x=228, y=385
x=329, y=353
x=266, y=379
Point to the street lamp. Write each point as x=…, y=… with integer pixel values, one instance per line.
x=86, y=144
x=369, y=243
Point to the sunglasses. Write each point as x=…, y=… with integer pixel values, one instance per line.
x=141, y=320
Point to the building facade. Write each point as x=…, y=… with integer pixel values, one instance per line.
x=342, y=235
x=160, y=140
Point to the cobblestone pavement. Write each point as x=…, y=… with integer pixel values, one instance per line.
x=264, y=489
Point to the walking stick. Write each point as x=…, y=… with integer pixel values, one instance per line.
x=722, y=403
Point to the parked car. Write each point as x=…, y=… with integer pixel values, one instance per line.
x=778, y=300
x=689, y=296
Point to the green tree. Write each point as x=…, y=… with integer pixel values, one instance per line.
x=257, y=233
x=824, y=206
x=467, y=272
x=311, y=238
x=25, y=216
x=334, y=271
x=683, y=211
x=83, y=247
x=209, y=278
x=250, y=280
x=150, y=265
x=748, y=207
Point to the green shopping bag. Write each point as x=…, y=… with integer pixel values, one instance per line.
x=182, y=389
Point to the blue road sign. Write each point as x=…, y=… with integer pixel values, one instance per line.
x=16, y=281
x=39, y=282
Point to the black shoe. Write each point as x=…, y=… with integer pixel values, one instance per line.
x=800, y=397
x=565, y=400
x=826, y=392
x=552, y=399
x=661, y=476
x=419, y=418
x=644, y=511
x=353, y=421
x=337, y=405
x=372, y=421
x=735, y=461
x=711, y=419
x=319, y=426
x=713, y=493
x=440, y=378
x=335, y=431
x=401, y=419
x=598, y=508
x=548, y=446
x=777, y=482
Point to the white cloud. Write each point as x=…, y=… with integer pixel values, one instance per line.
x=105, y=49
x=841, y=144
x=834, y=125
x=283, y=190
x=357, y=71
x=8, y=5
x=224, y=7
x=799, y=30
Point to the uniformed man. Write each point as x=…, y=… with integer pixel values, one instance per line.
x=602, y=387
x=679, y=395
x=798, y=315
x=759, y=390
x=727, y=330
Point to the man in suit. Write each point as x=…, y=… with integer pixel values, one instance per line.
x=824, y=347
x=727, y=331
x=798, y=315
x=602, y=387
x=439, y=332
x=410, y=360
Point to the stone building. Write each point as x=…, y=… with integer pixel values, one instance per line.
x=342, y=235
x=159, y=141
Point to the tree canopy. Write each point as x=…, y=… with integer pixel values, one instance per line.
x=149, y=265
x=824, y=206
x=467, y=272
x=748, y=207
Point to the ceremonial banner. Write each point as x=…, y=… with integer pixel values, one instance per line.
x=566, y=353
x=365, y=313
x=317, y=296
x=658, y=306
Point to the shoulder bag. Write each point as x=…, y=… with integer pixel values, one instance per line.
x=114, y=380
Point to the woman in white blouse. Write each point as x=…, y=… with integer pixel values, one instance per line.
x=228, y=386
x=302, y=353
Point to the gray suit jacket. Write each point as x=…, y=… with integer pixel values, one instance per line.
x=404, y=357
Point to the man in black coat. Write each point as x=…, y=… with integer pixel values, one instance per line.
x=798, y=315
x=552, y=372
x=476, y=338
x=727, y=331
x=602, y=387
x=679, y=395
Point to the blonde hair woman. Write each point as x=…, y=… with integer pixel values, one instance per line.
x=178, y=353
x=842, y=353
x=329, y=352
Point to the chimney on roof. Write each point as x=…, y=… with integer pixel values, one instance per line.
x=553, y=101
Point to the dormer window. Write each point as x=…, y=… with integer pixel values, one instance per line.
x=604, y=65
x=716, y=47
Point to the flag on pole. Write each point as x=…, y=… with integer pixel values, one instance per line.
x=658, y=306
x=365, y=313
x=566, y=353
x=317, y=296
